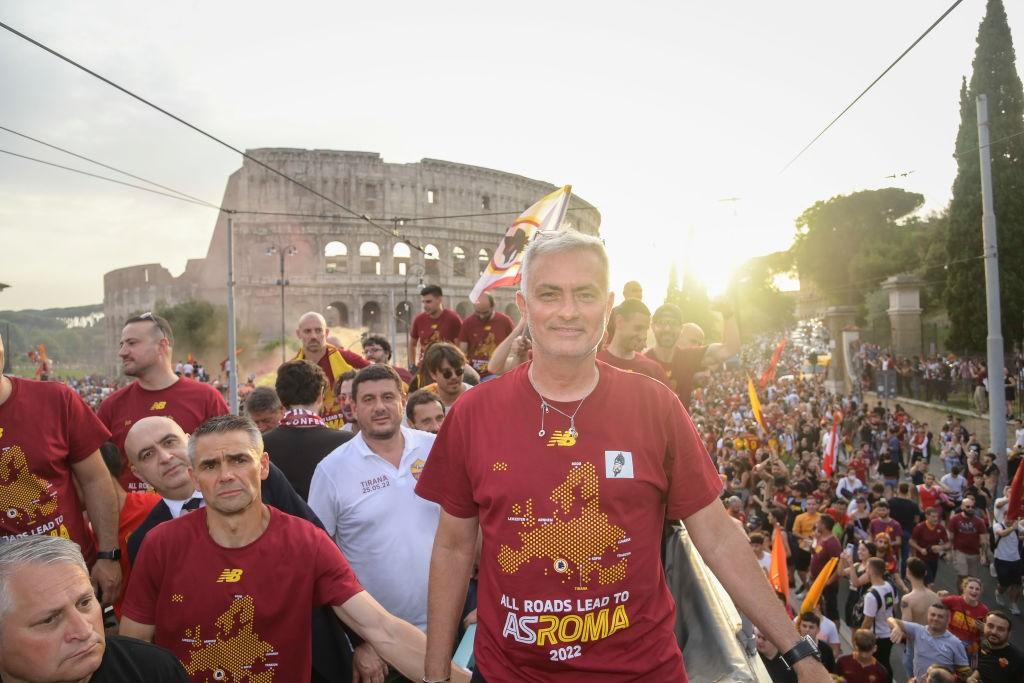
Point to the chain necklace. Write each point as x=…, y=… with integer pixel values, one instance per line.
x=545, y=407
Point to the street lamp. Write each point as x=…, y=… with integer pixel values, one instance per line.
x=281, y=252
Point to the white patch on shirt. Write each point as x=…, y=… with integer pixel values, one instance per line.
x=618, y=464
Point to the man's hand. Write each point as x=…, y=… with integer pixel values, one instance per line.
x=470, y=619
x=106, y=576
x=367, y=666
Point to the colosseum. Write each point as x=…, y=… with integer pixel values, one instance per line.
x=357, y=275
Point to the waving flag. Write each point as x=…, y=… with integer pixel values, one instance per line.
x=818, y=587
x=755, y=402
x=503, y=269
x=769, y=374
x=778, y=573
x=831, y=453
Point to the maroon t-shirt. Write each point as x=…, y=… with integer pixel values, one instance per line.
x=822, y=553
x=891, y=528
x=45, y=428
x=853, y=671
x=237, y=613
x=638, y=363
x=483, y=337
x=966, y=532
x=926, y=536
x=187, y=402
x=571, y=585
x=443, y=328
x=685, y=364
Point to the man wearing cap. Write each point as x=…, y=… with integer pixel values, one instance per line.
x=681, y=351
x=145, y=351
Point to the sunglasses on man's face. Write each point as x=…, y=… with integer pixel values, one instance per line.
x=448, y=373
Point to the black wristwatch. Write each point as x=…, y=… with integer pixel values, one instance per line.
x=114, y=554
x=805, y=647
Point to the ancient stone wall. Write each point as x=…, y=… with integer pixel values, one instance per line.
x=356, y=275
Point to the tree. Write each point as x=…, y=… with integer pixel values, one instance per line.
x=845, y=245
x=994, y=75
x=194, y=324
x=760, y=305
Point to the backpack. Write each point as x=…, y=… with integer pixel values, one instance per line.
x=888, y=604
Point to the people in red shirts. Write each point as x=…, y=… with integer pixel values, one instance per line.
x=929, y=494
x=145, y=351
x=967, y=616
x=333, y=360
x=681, y=351
x=436, y=323
x=482, y=332
x=568, y=468
x=50, y=439
x=208, y=585
x=826, y=546
x=630, y=321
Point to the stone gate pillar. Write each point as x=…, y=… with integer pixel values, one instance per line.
x=837, y=318
x=904, y=313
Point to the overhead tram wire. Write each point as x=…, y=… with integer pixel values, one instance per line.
x=870, y=85
x=197, y=200
x=106, y=166
x=206, y=134
x=179, y=196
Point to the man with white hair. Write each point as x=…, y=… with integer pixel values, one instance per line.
x=52, y=623
x=334, y=361
x=570, y=485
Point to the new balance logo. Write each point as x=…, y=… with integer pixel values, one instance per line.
x=560, y=438
x=158, y=405
x=230, y=576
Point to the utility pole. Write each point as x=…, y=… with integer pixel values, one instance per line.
x=281, y=252
x=232, y=348
x=996, y=393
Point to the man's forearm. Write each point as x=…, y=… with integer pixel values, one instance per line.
x=727, y=553
x=100, y=502
x=450, y=569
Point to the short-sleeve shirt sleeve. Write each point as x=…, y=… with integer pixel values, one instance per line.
x=870, y=604
x=336, y=583
x=140, y=601
x=693, y=480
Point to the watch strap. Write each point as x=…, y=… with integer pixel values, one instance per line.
x=114, y=554
x=805, y=647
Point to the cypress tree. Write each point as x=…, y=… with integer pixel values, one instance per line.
x=994, y=75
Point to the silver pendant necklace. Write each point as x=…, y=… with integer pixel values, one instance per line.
x=545, y=407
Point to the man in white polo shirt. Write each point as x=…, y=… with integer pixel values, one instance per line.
x=363, y=492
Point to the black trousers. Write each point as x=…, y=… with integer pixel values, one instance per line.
x=477, y=678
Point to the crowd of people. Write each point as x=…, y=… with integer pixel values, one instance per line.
x=359, y=516
x=934, y=377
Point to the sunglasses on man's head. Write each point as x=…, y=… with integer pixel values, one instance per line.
x=448, y=373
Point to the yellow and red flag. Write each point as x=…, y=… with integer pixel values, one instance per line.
x=778, y=573
x=755, y=402
x=816, y=589
x=503, y=268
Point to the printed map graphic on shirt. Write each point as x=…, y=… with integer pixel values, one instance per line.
x=576, y=540
x=24, y=498
x=236, y=652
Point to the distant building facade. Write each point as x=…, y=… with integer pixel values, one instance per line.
x=353, y=273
